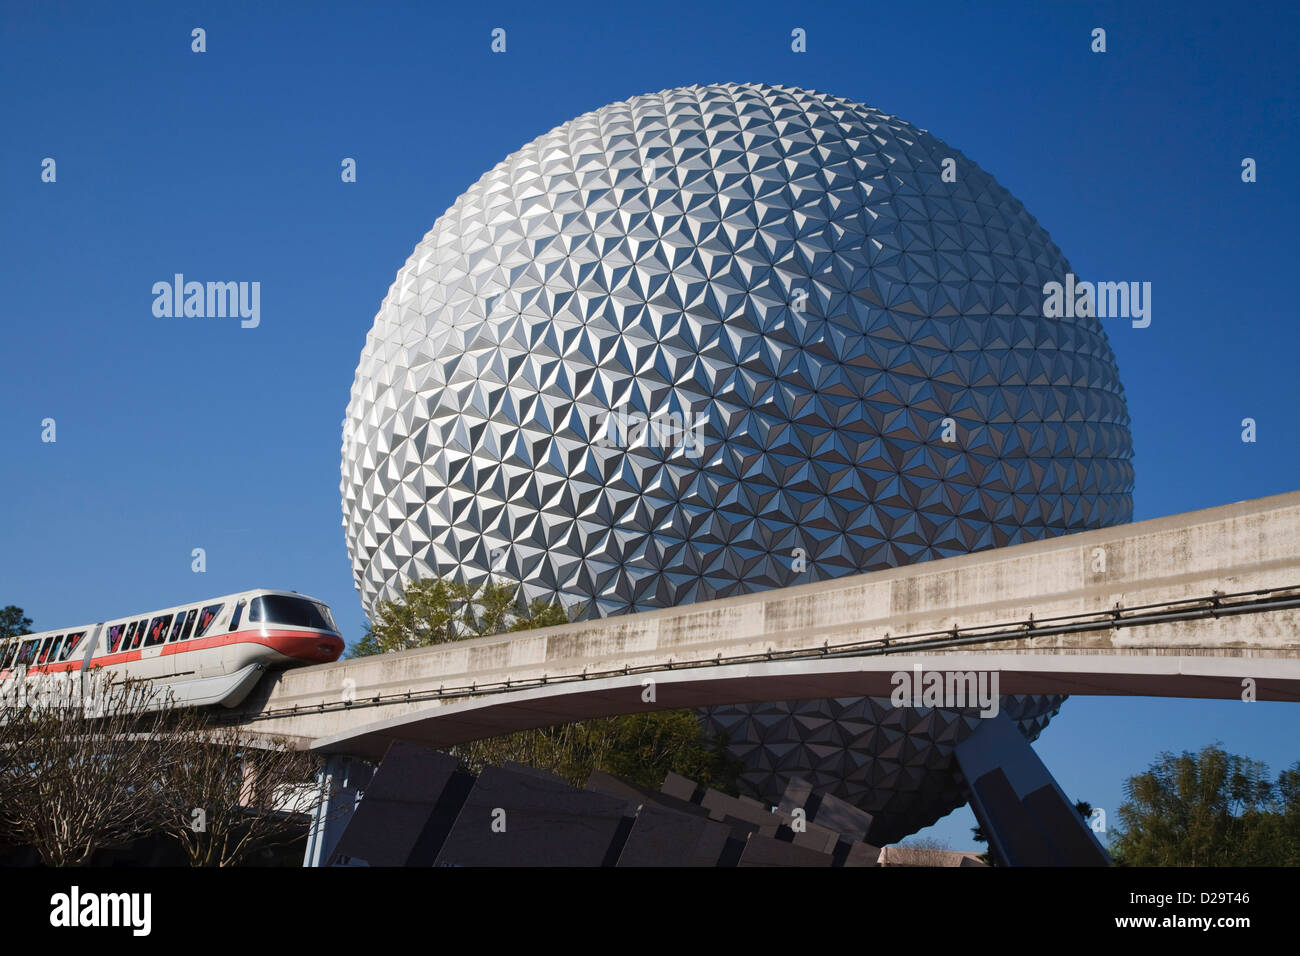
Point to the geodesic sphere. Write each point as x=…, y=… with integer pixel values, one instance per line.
x=719, y=339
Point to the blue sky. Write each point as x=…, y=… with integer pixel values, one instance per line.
x=175, y=434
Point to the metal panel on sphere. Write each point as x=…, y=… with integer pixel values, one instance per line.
x=725, y=338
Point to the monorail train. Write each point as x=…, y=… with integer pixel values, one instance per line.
x=203, y=653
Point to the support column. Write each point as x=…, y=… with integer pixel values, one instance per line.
x=1027, y=817
x=340, y=786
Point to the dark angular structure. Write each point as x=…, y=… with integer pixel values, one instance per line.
x=420, y=810
x=1028, y=819
x=409, y=807
x=515, y=818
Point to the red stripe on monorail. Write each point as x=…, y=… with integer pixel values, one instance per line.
x=317, y=647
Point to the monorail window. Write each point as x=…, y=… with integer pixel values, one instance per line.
x=56, y=648
x=189, y=624
x=140, y=628
x=158, y=630
x=45, y=651
x=176, y=628
x=115, y=637
x=8, y=658
x=234, y=617
x=206, y=617
x=27, y=653
x=71, y=643
x=291, y=612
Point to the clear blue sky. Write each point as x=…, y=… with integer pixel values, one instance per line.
x=175, y=434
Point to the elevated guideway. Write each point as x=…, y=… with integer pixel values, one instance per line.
x=1203, y=604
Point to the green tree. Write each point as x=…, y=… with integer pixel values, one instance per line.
x=434, y=611
x=540, y=613
x=640, y=748
x=644, y=747
x=431, y=611
x=1288, y=794
x=1209, y=809
x=13, y=622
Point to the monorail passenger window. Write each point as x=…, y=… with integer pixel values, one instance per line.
x=115, y=637
x=234, y=617
x=140, y=628
x=55, y=649
x=45, y=651
x=28, y=652
x=158, y=630
x=295, y=612
x=71, y=644
x=8, y=656
x=206, y=617
x=176, y=628
x=189, y=623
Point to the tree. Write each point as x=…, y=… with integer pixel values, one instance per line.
x=1209, y=809
x=645, y=747
x=434, y=611
x=540, y=613
x=640, y=748
x=979, y=836
x=84, y=772
x=429, y=613
x=76, y=778
x=1288, y=794
x=228, y=793
x=13, y=623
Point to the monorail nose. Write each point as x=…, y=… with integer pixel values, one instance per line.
x=327, y=647
x=309, y=648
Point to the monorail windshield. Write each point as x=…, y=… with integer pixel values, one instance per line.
x=291, y=612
